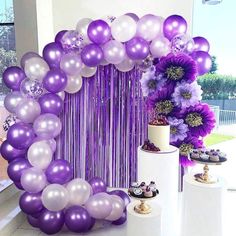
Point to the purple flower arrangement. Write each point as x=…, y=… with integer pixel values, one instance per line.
x=172, y=90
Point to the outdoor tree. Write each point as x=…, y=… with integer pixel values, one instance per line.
x=214, y=66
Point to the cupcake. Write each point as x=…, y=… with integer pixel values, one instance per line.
x=195, y=155
x=134, y=185
x=222, y=155
x=143, y=186
x=148, y=192
x=215, y=157
x=204, y=157
x=138, y=192
x=152, y=186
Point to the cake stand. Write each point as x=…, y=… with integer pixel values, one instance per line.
x=205, y=177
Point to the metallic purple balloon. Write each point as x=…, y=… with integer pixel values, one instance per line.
x=34, y=222
x=121, y=220
x=52, y=54
x=121, y=194
x=26, y=57
x=174, y=25
x=59, y=36
x=50, y=103
x=78, y=220
x=30, y=203
x=137, y=48
x=18, y=185
x=98, y=185
x=55, y=80
x=51, y=222
x=201, y=44
x=99, y=31
x=13, y=76
x=133, y=16
x=203, y=60
x=59, y=171
x=10, y=153
x=92, y=55
x=16, y=168
x=20, y=135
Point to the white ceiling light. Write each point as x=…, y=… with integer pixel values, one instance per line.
x=211, y=2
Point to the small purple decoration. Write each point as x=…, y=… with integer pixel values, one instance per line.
x=34, y=222
x=59, y=36
x=201, y=44
x=98, y=185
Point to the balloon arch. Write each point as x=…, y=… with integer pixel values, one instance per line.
x=52, y=196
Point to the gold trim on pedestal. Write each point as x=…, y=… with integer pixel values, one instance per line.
x=205, y=177
x=143, y=208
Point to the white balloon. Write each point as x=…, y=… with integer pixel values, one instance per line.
x=126, y=65
x=55, y=197
x=123, y=28
x=82, y=27
x=36, y=68
x=160, y=47
x=79, y=191
x=74, y=84
x=12, y=100
x=88, y=71
x=40, y=154
x=61, y=95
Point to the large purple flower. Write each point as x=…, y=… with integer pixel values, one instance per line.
x=151, y=82
x=185, y=147
x=177, y=68
x=178, y=130
x=200, y=119
x=186, y=95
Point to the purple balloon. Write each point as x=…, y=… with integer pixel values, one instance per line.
x=16, y=168
x=99, y=32
x=92, y=55
x=122, y=195
x=18, y=185
x=203, y=60
x=51, y=103
x=55, y=80
x=121, y=220
x=137, y=48
x=78, y=220
x=34, y=222
x=201, y=44
x=13, y=77
x=133, y=16
x=51, y=222
x=30, y=203
x=20, y=135
x=26, y=57
x=98, y=185
x=52, y=54
x=10, y=153
x=59, y=171
x=174, y=25
x=59, y=36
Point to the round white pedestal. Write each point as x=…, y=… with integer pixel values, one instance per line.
x=202, y=208
x=163, y=168
x=144, y=225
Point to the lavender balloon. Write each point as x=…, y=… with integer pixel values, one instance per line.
x=72, y=40
x=31, y=88
x=12, y=100
x=16, y=168
x=51, y=142
x=78, y=220
x=20, y=135
x=133, y=16
x=47, y=126
x=118, y=207
x=121, y=220
x=82, y=28
x=30, y=203
x=10, y=153
x=137, y=48
x=126, y=65
x=51, y=222
x=92, y=55
x=99, y=32
x=121, y=194
x=34, y=222
x=59, y=36
x=201, y=44
x=55, y=80
x=52, y=54
x=203, y=60
x=59, y=171
x=98, y=185
x=174, y=25
x=88, y=71
x=13, y=76
x=182, y=43
x=51, y=103
x=160, y=46
x=26, y=57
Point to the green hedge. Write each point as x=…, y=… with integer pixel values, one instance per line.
x=216, y=86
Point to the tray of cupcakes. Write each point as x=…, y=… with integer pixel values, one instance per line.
x=208, y=156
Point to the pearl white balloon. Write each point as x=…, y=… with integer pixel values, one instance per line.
x=79, y=191
x=28, y=110
x=82, y=27
x=55, y=197
x=160, y=47
x=36, y=68
x=74, y=84
x=40, y=154
x=123, y=28
x=12, y=100
x=62, y=95
x=88, y=71
x=126, y=65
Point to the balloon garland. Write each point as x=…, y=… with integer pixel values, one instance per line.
x=52, y=197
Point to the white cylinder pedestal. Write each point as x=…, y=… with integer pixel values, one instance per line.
x=144, y=225
x=163, y=168
x=202, y=208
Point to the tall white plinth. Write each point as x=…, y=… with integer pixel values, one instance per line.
x=144, y=225
x=163, y=168
x=202, y=207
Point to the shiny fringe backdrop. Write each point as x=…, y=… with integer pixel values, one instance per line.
x=103, y=125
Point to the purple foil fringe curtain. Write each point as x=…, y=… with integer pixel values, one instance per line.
x=103, y=125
